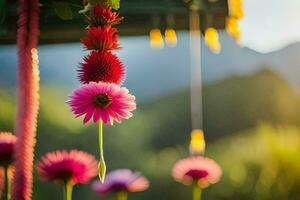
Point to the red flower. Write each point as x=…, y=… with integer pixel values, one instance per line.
x=68, y=167
x=101, y=39
x=104, y=16
x=101, y=66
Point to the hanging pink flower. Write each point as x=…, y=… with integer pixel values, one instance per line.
x=101, y=98
x=105, y=101
x=7, y=145
x=197, y=168
x=102, y=15
x=122, y=180
x=101, y=66
x=104, y=39
x=67, y=167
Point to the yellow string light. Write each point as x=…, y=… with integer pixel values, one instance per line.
x=197, y=144
x=156, y=39
x=212, y=40
x=236, y=8
x=232, y=28
x=171, y=37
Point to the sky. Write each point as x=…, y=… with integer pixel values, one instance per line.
x=269, y=25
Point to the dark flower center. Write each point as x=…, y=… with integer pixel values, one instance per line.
x=65, y=175
x=6, y=154
x=197, y=174
x=119, y=186
x=102, y=100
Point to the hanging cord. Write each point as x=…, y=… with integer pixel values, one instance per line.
x=195, y=63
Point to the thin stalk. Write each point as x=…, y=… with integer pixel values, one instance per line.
x=6, y=193
x=101, y=138
x=102, y=165
x=197, y=192
x=68, y=191
x=122, y=195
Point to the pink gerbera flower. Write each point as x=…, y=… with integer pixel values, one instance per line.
x=122, y=180
x=7, y=144
x=103, y=39
x=71, y=167
x=102, y=101
x=204, y=171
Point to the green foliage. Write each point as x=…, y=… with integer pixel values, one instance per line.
x=55, y=111
x=115, y=4
x=261, y=163
x=7, y=109
x=63, y=10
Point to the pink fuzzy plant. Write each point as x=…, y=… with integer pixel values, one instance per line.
x=28, y=98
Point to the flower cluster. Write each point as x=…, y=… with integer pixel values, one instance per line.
x=102, y=98
x=101, y=65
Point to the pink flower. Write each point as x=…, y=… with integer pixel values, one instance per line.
x=196, y=168
x=7, y=145
x=122, y=180
x=68, y=167
x=105, y=101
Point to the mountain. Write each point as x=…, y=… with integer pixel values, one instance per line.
x=154, y=72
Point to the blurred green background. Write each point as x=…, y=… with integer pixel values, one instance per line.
x=251, y=125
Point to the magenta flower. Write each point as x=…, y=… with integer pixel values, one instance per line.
x=121, y=180
x=68, y=167
x=7, y=145
x=102, y=101
x=198, y=169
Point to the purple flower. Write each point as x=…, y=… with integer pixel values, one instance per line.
x=122, y=180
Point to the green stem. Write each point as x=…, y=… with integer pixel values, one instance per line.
x=6, y=193
x=101, y=138
x=102, y=165
x=197, y=192
x=122, y=195
x=68, y=191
